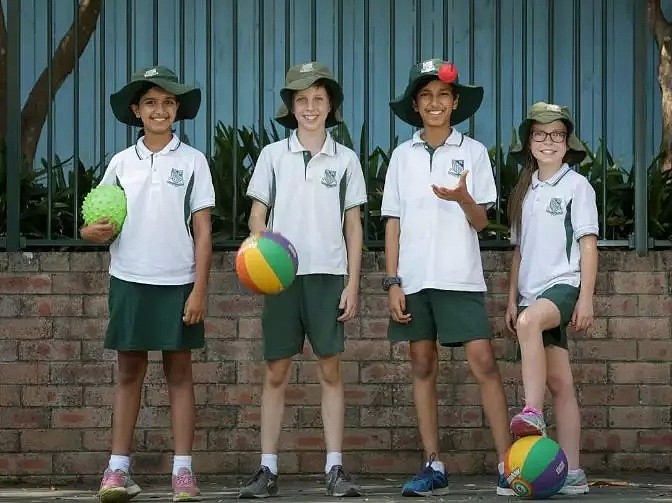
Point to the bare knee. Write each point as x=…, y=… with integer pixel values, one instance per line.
x=330, y=371
x=560, y=385
x=527, y=324
x=178, y=371
x=132, y=368
x=423, y=366
x=277, y=373
x=482, y=363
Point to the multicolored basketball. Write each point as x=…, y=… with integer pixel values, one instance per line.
x=535, y=467
x=266, y=263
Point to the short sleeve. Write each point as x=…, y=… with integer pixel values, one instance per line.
x=203, y=192
x=110, y=176
x=261, y=181
x=391, y=205
x=485, y=190
x=355, y=188
x=584, y=210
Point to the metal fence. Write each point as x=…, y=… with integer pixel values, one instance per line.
x=577, y=53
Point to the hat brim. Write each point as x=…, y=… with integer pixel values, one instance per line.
x=469, y=101
x=286, y=118
x=189, y=98
x=576, y=152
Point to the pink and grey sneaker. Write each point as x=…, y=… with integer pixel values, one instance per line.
x=117, y=487
x=184, y=486
x=528, y=423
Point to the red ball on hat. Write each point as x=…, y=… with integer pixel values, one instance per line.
x=447, y=73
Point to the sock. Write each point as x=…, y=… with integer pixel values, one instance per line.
x=438, y=466
x=270, y=461
x=119, y=463
x=333, y=459
x=500, y=467
x=574, y=471
x=181, y=462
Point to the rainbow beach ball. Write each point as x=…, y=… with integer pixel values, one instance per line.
x=266, y=263
x=535, y=467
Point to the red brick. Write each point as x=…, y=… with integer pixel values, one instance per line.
x=641, y=417
x=81, y=373
x=363, y=394
x=378, y=417
x=8, y=351
x=53, y=305
x=467, y=439
x=161, y=440
x=234, y=306
x=223, y=282
x=496, y=304
x=82, y=417
x=311, y=417
x=9, y=441
x=54, y=261
x=98, y=396
x=24, y=373
x=374, y=328
x=215, y=417
x=640, y=372
x=155, y=417
x=654, y=461
x=593, y=417
x=374, y=306
x=249, y=416
x=95, y=305
x=608, y=440
x=655, y=351
x=403, y=462
x=214, y=372
x=615, y=305
x=156, y=395
x=639, y=328
x=80, y=328
x=11, y=306
x=23, y=284
x=215, y=462
x=308, y=371
x=82, y=463
x=51, y=440
x=222, y=349
x=591, y=350
x=82, y=282
x=639, y=282
x=86, y=261
x=655, y=394
x=608, y=394
x=220, y=328
x=363, y=350
x=155, y=463
x=249, y=328
x=655, y=440
x=497, y=282
x=16, y=464
x=250, y=372
x=52, y=350
x=589, y=372
x=456, y=417
x=371, y=282
x=235, y=440
x=599, y=330
x=383, y=372
x=612, y=260
x=303, y=394
x=655, y=305
x=25, y=328
x=10, y=395
x=100, y=439
x=52, y=396
x=24, y=418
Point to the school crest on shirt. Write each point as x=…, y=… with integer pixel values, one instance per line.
x=329, y=178
x=457, y=167
x=555, y=206
x=176, y=177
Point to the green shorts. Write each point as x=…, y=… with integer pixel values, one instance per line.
x=564, y=297
x=309, y=307
x=450, y=316
x=149, y=317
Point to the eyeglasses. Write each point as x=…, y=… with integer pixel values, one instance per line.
x=556, y=136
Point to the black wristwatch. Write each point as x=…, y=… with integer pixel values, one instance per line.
x=388, y=281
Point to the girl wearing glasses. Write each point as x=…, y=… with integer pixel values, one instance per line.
x=554, y=228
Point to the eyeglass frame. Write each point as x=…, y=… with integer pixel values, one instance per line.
x=547, y=135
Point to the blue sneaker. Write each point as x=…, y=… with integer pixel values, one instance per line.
x=503, y=488
x=428, y=482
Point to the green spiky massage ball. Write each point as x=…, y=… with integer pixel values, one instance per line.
x=105, y=201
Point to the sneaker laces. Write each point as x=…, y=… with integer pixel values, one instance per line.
x=260, y=471
x=184, y=478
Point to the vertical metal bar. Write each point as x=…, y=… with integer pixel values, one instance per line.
x=367, y=105
x=641, y=237
x=472, y=58
x=446, y=33
x=524, y=69
x=208, y=77
x=288, y=34
x=234, y=96
x=498, y=108
x=155, y=33
x=605, y=92
x=313, y=30
x=551, y=50
x=262, y=67
x=339, y=62
x=576, y=63
x=75, y=123
x=50, y=116
x=130, y=32
x=418, y=31
x=101, y=87
x=393, y=67
x=182, y=31
x=14, y=160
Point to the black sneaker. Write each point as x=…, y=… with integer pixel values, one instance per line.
x=340, y=484
x=261, y=485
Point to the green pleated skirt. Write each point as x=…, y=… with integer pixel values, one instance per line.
x=149, y=317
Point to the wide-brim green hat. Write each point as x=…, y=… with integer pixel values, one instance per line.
x=301, y=77
x=469, y=97
x=189, y=97
x=545, y=113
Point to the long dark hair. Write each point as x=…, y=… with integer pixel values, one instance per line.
x=515, y=202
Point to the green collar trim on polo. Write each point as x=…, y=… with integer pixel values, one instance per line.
x=454, y=140
x=328, y=148
x=143, y=152
x=564, y=169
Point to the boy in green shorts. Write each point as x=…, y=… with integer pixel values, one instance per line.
x=438, y=186
x=313, y=187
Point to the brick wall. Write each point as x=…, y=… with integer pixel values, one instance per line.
x=56, y=382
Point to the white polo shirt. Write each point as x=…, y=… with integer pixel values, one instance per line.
x=438, y=248
x=556, y=214
x=308, y=198
x=162, y=189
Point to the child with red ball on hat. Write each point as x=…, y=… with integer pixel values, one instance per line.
x=438, y=187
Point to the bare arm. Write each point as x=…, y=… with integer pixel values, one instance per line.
x=588, y=246
x=257, y=220
x=476, y=214
x=513, y=276
x=354, y=239
x=392, y=232
x=194, y=308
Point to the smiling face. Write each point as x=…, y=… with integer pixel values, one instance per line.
x=311, y=108
x=435, y=102
x=548, y=143
x=157, y=109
